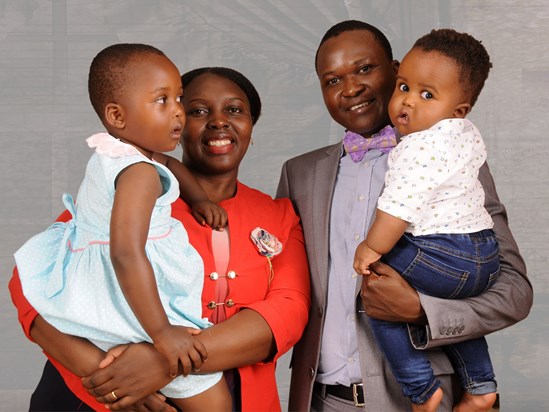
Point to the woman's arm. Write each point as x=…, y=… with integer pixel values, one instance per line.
x=263, y=332
x=75, y=354
x=139, y=369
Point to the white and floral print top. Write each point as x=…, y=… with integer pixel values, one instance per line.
x=432, y=180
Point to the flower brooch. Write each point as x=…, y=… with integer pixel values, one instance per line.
x=267, y=245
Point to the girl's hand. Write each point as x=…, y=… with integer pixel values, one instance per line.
x=177, y=344
x=133, y=374
x=209, y=213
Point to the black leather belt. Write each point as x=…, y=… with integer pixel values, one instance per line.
x=353, y=393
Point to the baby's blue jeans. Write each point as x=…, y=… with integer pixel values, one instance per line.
x=448, y=266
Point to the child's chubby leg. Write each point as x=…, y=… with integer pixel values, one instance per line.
x=475, y=403
x=216, y=398
x=431, y=404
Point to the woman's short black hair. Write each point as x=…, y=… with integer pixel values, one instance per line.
x=237, y=78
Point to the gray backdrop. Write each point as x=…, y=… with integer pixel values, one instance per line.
x=45, y=50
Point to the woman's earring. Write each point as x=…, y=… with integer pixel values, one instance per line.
x=252, y=141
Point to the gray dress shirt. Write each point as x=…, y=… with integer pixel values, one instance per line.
x=356, y=191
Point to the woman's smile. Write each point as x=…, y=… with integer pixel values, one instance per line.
x=219, y=146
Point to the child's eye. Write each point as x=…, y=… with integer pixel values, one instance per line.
x=426, y=95
x=178, y=99
x=162, y=100
x=403, y=87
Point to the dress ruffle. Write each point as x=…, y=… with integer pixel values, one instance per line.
x=110, y=146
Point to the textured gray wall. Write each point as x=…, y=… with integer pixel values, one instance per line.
x=45, y=50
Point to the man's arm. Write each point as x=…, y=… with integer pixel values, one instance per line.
x=508, y=301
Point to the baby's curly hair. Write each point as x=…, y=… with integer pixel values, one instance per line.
x=108, y=76
x=468, y=52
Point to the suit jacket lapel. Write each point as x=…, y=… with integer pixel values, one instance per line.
x=323, y=189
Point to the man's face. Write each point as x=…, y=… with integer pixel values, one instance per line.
x=357, y=80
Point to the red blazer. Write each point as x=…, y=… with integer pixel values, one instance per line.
x=284, y=303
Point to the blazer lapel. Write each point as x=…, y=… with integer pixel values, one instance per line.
x=323, y=189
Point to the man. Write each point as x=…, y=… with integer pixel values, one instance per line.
x=337, y=365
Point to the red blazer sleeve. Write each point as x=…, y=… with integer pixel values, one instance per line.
x=286, y=305
x=25, y=312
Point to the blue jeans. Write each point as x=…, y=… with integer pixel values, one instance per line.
x=448, y=266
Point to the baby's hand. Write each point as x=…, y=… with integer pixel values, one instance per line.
x=209, y=213
x=364, y=257
x=178, y=346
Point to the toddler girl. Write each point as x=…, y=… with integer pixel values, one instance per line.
x=122, y=270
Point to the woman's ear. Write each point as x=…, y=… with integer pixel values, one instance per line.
x=115, y=115
x=462, y=110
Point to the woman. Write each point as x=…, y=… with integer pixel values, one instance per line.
x=257, y=296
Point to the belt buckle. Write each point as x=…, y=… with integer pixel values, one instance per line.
x=355, y=394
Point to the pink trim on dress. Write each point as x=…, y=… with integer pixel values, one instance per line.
x=106, y=242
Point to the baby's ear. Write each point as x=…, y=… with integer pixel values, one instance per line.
x=115, y=115
x=462, y=110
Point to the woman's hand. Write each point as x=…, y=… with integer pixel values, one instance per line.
x=387, y=296
x=133, y=372
x=152, y=403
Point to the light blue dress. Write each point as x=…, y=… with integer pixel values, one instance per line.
x=67, y=274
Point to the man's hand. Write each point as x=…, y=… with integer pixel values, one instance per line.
x=387, y=296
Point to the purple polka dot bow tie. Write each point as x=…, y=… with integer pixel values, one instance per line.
x=357, y=146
